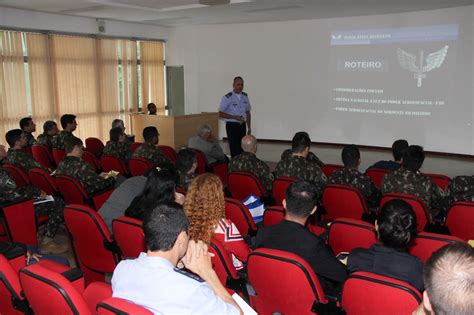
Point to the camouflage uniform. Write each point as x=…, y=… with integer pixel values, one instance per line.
x=365, y=184
x=85, y=173
x=248, y=162
x=152, y=153
x=461, y=188
x=46, y=140
x=299, y=167
x=185, y=179
x=22, y=160
x=118, y=149
x=10, y=193
x=60, y=138
x=407, y=182
x=311, y=157
x=30, y=138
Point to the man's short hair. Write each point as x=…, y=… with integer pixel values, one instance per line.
x=117, y=123
x=238, y=78
x=115, y=134
x=413, y=158
x=163, y=225
x=449, y=279
x=204, y=129
x=71, y=143
x=48, y=125
x=185, y=159
x=350, y=155
x=149, y=133
x=300, y=142
x=398, y=147
x=67, y=119
x=301, y=197
x=25, y=122
x=12, y=136
x=150, y=105
x=396, y=224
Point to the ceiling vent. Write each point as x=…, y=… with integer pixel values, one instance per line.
x=214, y=2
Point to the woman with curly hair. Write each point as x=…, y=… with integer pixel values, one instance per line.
x=205, y=208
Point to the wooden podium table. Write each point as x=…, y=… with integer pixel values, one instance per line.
x=174, y=130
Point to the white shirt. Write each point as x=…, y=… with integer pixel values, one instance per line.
x=154, y=283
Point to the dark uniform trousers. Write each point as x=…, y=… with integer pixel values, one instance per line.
x=235, y=132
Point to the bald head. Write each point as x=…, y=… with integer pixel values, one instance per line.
x=249, y=144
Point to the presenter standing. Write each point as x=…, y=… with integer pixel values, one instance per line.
x=235, y=109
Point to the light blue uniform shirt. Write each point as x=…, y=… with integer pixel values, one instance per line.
x=152, y=282
x=230, y=104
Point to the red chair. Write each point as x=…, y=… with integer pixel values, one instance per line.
x=460, y=220
x=377, y=174
x=19, y=176
x=344, y=201
x=328, y=169
x=49, y=292
x=74, y=193
x=370, y=294
x=118, y=306
x=169, y=152
x=273, y=215
x=279, y=188
x=128, y=234
x=43, y=180
x=139, y=166
x=92, y=160
x=20, y=222
x=113, y=163
x=426, y=243
x=94, y=146
x=95, y=251
x=346, y=234
x=201, y=162
x=441, y=180
x=240, y=215
x=135, y=146
x=417, y=204
x=242, y=184
x=284, y=283
x=221, y=170
x=58, y=155
x=42, y=154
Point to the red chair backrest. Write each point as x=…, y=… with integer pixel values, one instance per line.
x=344, y=201
x=72, y=190
x=460, y=220
x=169, y=152
x=416, y=203
x=201, y=162
x=426, y=243
x=346, y=234
x=283, y=282
x=113, y=163
x=128, y=234
x=19, y=176
x=222, y=262
x=41, y=154
x=58, y=155
x=273, y=215
x=20, y=222
x=91, y=241
x=377, y=174
x=370, y=294
x=10, y=289
x=139, y=166
x=135, y=146
x=94, y=146
x=91, y=159
x=221, y=169
x=441, y=180
x=242, y=184
x=41, y=179
x=112, y=306
x=279, y=188
x=240, y=215
x=328, y=169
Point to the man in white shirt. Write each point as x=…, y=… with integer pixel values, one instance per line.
x=153, y=281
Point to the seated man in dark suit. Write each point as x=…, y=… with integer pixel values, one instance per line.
x=397, y=150
x=291, y=235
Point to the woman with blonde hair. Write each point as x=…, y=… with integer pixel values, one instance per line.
x=205, y=208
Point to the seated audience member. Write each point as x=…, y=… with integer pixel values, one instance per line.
x=397, y=151
x=73, y=165
x=350, y=175
x=119, y=123
x=311, y=156
x=396, y=228
x=247, y=161
x=298, y=166
x=153, y=281
x=409, y=180
x=449, y=281
x=151, y=107
x=9, y=192
x=291, y=235
x=205, y=208
x=461, y=188
x=149, y=149
x=118, y=145
x=28, y=126
x=186, y=164
x=16, y=139
x=69, y=124
x=50, y=130
x=207, y=143
x=160, y=187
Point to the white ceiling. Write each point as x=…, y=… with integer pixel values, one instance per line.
x=188, y=12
